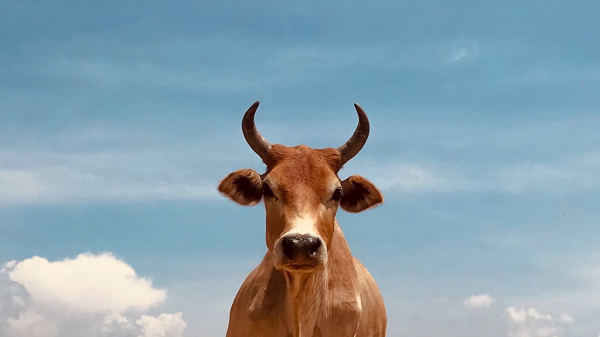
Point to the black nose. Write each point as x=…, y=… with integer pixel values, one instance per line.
x=300, y=246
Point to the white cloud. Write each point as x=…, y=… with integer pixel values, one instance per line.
x=479, y=301
x=165, y=325
x=532, y=323
x=517, y=316
x=30, y=324
x=536, y=315
x=521, y=315
x=114, y=318
x=88, y=296
x=88, y=283
x=114, y=322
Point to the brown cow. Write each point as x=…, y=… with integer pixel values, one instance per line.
x=308, y=284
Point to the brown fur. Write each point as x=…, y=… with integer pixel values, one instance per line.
x=242, y=186
x=338, y=299
x=359, y=194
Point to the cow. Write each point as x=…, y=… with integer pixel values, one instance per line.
x=308, y=283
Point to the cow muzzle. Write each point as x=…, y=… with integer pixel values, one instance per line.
x=300, y=252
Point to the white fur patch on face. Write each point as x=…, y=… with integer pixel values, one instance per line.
x=272, y=183
x=302, y=225
x=334, y=184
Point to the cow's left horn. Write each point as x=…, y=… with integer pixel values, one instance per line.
x=358, y=139
x=256, y=141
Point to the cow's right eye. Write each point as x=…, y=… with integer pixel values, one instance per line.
x=337, y=194
x=267, y=192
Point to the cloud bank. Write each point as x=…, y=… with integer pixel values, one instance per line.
x=90, y=295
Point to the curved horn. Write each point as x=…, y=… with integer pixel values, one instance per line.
x=256, y=141
x=358, y=139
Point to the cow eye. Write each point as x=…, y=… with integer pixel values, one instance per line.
x=267, y=192
x=337, y=195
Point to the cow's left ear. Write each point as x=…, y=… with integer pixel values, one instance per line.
x=242, y=186
x=359, y=194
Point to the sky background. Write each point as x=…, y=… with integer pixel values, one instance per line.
x=118, y=119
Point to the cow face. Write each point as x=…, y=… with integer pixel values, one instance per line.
x=301, y=192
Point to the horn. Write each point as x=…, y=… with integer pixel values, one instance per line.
x=358, y=139
x=256, y=141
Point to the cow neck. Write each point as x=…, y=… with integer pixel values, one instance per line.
x=308, y=293
x=303, y=287
x=306, y=298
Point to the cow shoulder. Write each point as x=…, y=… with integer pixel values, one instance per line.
x=269, y=295
x=257, y=307
x=262, y=295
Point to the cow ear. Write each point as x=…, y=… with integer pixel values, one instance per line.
x=243, y=187
x=359, y=194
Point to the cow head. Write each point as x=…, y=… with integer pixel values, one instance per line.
x=302, y=193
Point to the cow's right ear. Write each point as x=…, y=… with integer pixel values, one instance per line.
x=242, y=186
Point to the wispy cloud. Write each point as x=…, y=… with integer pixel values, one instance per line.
x=211, y=64
x=167, y=173
x=115, y=73
x=574, y=174
x=460, y=50
x=58, y=185
x=214, y=64
x=408, y=178
x=103, y=167
x=457, y=56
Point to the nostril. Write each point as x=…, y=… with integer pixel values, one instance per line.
x=300, y=247
x=314, y=247
x=288, y=247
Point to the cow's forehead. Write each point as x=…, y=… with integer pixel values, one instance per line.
x=281, y=154
x=302, y=166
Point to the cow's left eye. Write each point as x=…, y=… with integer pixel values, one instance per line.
x=337, y=195
x=268, y=193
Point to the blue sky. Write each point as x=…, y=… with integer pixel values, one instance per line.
x=117, y=121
